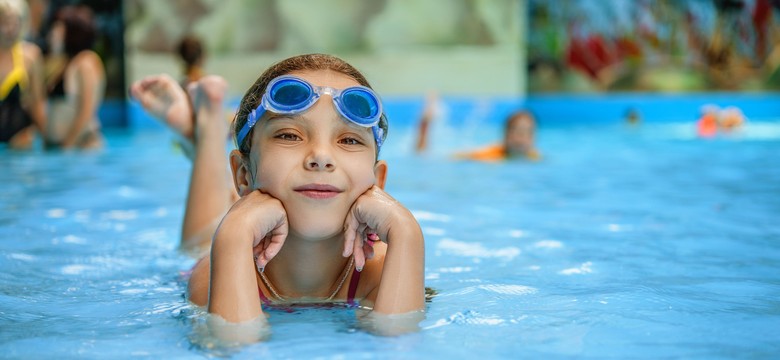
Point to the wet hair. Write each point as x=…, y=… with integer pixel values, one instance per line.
x=80, y=28
x=516, y=116
x=19, y=9
x=190, y=50
x=254, y=95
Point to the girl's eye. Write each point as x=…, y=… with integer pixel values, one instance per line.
x=350, y=141
x=288, y=137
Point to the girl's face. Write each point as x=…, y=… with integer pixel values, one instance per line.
x=519, y=137
x=10, y=26
x=316, y=163
x=56, y=38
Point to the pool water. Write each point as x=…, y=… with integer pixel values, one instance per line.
x=641, y=242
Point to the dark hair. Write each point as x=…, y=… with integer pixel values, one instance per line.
x=80, y=29
x=190, y=49
x=254, y=95
x=517, y=115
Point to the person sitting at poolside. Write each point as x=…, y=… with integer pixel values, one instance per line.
x=311, y=209
x=77, y=81
x=519, y=133
x=22, y=95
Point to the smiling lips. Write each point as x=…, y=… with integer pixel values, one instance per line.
x=318, y=191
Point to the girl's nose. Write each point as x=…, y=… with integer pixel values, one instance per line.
x=320, y=160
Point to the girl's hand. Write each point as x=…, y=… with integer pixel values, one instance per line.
x=266, y=220
x=369, y=220
x=257, y=222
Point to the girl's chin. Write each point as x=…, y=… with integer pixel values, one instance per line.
x=316, y=230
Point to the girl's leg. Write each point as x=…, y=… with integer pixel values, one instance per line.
x=209, y=196
x=211, y=191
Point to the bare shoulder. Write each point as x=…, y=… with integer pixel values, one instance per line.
x=88, y=60
x=31, y=52
x=198, y=287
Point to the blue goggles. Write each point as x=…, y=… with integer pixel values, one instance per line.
x=290, y=95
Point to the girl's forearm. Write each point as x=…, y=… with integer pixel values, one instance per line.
x=402, y=287
x=233, y=286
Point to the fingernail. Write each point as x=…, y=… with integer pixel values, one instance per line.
x=359, y=268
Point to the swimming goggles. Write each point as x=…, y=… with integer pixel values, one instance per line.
x=290, y=95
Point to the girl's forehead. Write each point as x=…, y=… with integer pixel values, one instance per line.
x=329, y=78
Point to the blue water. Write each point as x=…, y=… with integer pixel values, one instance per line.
x=642, y=242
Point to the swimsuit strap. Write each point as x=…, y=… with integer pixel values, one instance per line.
x=262, y=297
x=353, y=284
x=17, y=75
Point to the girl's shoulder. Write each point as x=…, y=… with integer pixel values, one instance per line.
x=198, y=284
x=88, y=60
x=31, y=53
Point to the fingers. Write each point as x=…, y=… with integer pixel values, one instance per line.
x=267, y=250
x=360, y=257
x=349, y=242
x=350, y=234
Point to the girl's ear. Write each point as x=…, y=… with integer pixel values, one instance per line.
x=380, y=173
x=242, y=177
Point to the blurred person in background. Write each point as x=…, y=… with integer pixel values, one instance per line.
x=519, y=138
x=518, y=142
x=76, y=80
x=713, y=119
x=192, y=54
x=22, y=95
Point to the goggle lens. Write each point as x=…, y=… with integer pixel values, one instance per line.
x=290, y=94
x=360, y=106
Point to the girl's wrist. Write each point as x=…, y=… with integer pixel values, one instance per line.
x=230, y=233
x=403, y=227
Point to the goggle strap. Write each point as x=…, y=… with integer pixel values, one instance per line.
x=378, y=135
x=251, y=119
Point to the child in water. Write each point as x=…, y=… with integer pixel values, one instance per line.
x=311, y=223
x=518, y=142
x=713, y=119
x=519, y=131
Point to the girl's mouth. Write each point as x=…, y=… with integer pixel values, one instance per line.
x=318, y=191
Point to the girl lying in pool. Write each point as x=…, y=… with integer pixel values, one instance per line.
x=304, y=217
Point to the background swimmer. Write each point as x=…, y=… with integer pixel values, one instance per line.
x=518, y=142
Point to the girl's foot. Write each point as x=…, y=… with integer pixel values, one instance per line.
x=163, y=98
x=207, y=96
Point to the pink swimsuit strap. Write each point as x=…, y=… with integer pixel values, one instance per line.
x=353, y=284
